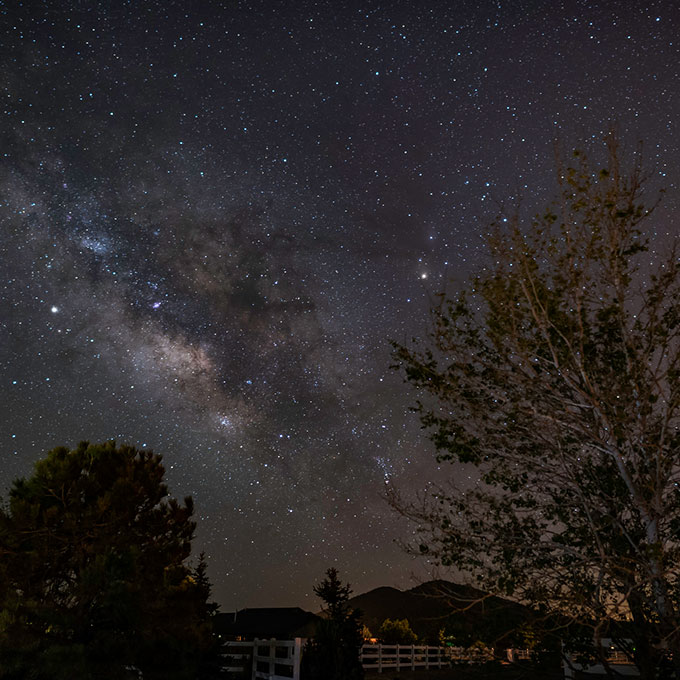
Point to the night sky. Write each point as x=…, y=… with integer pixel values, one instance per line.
x=214, y=216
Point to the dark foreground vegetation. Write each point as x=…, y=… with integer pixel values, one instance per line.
x=95, y=581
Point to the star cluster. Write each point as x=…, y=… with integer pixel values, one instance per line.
x=215, y=216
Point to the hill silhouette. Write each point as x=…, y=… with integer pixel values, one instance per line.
x=464, y=612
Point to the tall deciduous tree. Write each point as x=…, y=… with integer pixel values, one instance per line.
x=93, y=575
x=554, y=382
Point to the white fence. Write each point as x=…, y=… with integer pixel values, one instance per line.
x=239, y=655
x=269, y=659
x=388, y=657
x=276, y=659
x=280, y=659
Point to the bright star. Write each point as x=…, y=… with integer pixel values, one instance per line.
x=54, y=309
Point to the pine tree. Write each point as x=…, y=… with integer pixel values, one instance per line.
x=93, y=580
x=333, y=652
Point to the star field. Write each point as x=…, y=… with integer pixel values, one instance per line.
x=214, y=217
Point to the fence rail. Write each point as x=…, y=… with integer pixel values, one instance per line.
x=397, y=657
x=240, y=655
x=276, y=659
x=264, y=659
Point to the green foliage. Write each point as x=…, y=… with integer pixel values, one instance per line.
x=397, y=632
x=93, y=580
x=555, y=379
x=333, y=652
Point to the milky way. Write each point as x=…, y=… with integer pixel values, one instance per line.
x=215, y=216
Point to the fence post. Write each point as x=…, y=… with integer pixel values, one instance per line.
x=380, y=658
x=272, y=657
x=297, y=653
x=253, y=675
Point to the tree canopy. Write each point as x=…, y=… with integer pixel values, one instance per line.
x=93, y=577
x=397, y=632
x=553, y=383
